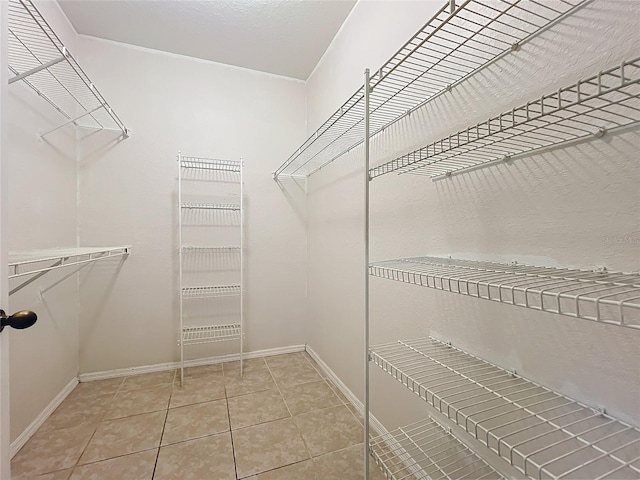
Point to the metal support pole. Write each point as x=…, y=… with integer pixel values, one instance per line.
x=241, y=267
x=36, y=69
x=366, y=273
x=180, y=267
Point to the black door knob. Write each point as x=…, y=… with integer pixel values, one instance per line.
x=20, y=320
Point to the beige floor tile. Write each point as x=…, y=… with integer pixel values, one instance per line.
x=295, y=374
x=143, y=400
x=123, y=436
x=347, y=463
x=309, y=396
x=194, y=421
x=256, y=408
x=252, y=381
x=356, y=413
x=285, y=360
x=329, y=430
x=108, y=386
x=51, y=450
x=248, y=365
x=209, y=458
x=197, y=390
x=59, y=475
x=267, y=446
x=298, y=471
x=137, y=466
x=315, y=365
x=147, y=380
x=77, y=410
x=337, y=391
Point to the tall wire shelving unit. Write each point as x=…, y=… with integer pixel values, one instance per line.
x=201, y=262
x=485, y=422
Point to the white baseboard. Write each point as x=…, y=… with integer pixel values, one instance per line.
x=161, y=367
x=24, y=437
x=375, y=424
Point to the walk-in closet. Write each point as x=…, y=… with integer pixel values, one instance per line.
x=319, y=239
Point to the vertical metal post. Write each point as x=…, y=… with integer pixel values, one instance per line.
x=180, y=266
x=241, y=267
x=366, y=273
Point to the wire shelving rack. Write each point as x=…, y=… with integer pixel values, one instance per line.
x=425, y=450
x=541, y=433
x=590, y=107
x=217, y=171
x=602, y=296
x=457, y=42
x=37, y=57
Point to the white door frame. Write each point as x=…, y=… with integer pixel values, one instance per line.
x=5, y=458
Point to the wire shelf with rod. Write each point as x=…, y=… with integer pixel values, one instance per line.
x=607, y=297
x=37, y=57
x=210, y=206
x=541, y=433
x=29, y=263
x=454, y=44
x=590, y=107
x=201, y=163
x=425, y=450
x=210, y=333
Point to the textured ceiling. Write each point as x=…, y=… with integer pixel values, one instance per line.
x=284, y=37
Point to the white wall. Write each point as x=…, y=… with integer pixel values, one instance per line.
x=128, y=195
x=42, y=214
x=555, y=208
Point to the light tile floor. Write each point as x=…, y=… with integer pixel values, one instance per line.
x=281, y=421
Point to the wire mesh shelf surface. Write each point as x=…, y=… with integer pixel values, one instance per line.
x=541, y=433
x=210, y=206
x=211, y=291
x=27, y=263
x=200, y=248
x=210, y=334
x=607, y=297
x=209, y=164
x=425, y=450
x=449, y=48
x=589, y=107
x=37, y=57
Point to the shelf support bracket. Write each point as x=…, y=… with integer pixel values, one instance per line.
x=37, y=276
x=73, y=120
x=37, y=69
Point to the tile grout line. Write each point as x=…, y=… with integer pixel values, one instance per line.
x=233, y=446
x=164, y=425
x=288, y=410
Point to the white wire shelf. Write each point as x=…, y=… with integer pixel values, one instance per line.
x=38, y=58
x=209, y=164
x=425, y=450
x=28, y=263
x=449, y=48
x=541, y=433
x=210, y=206
x=590, y=107
x=210, y=334
x=221, y=249
x=211, y=291
x=606, y=297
